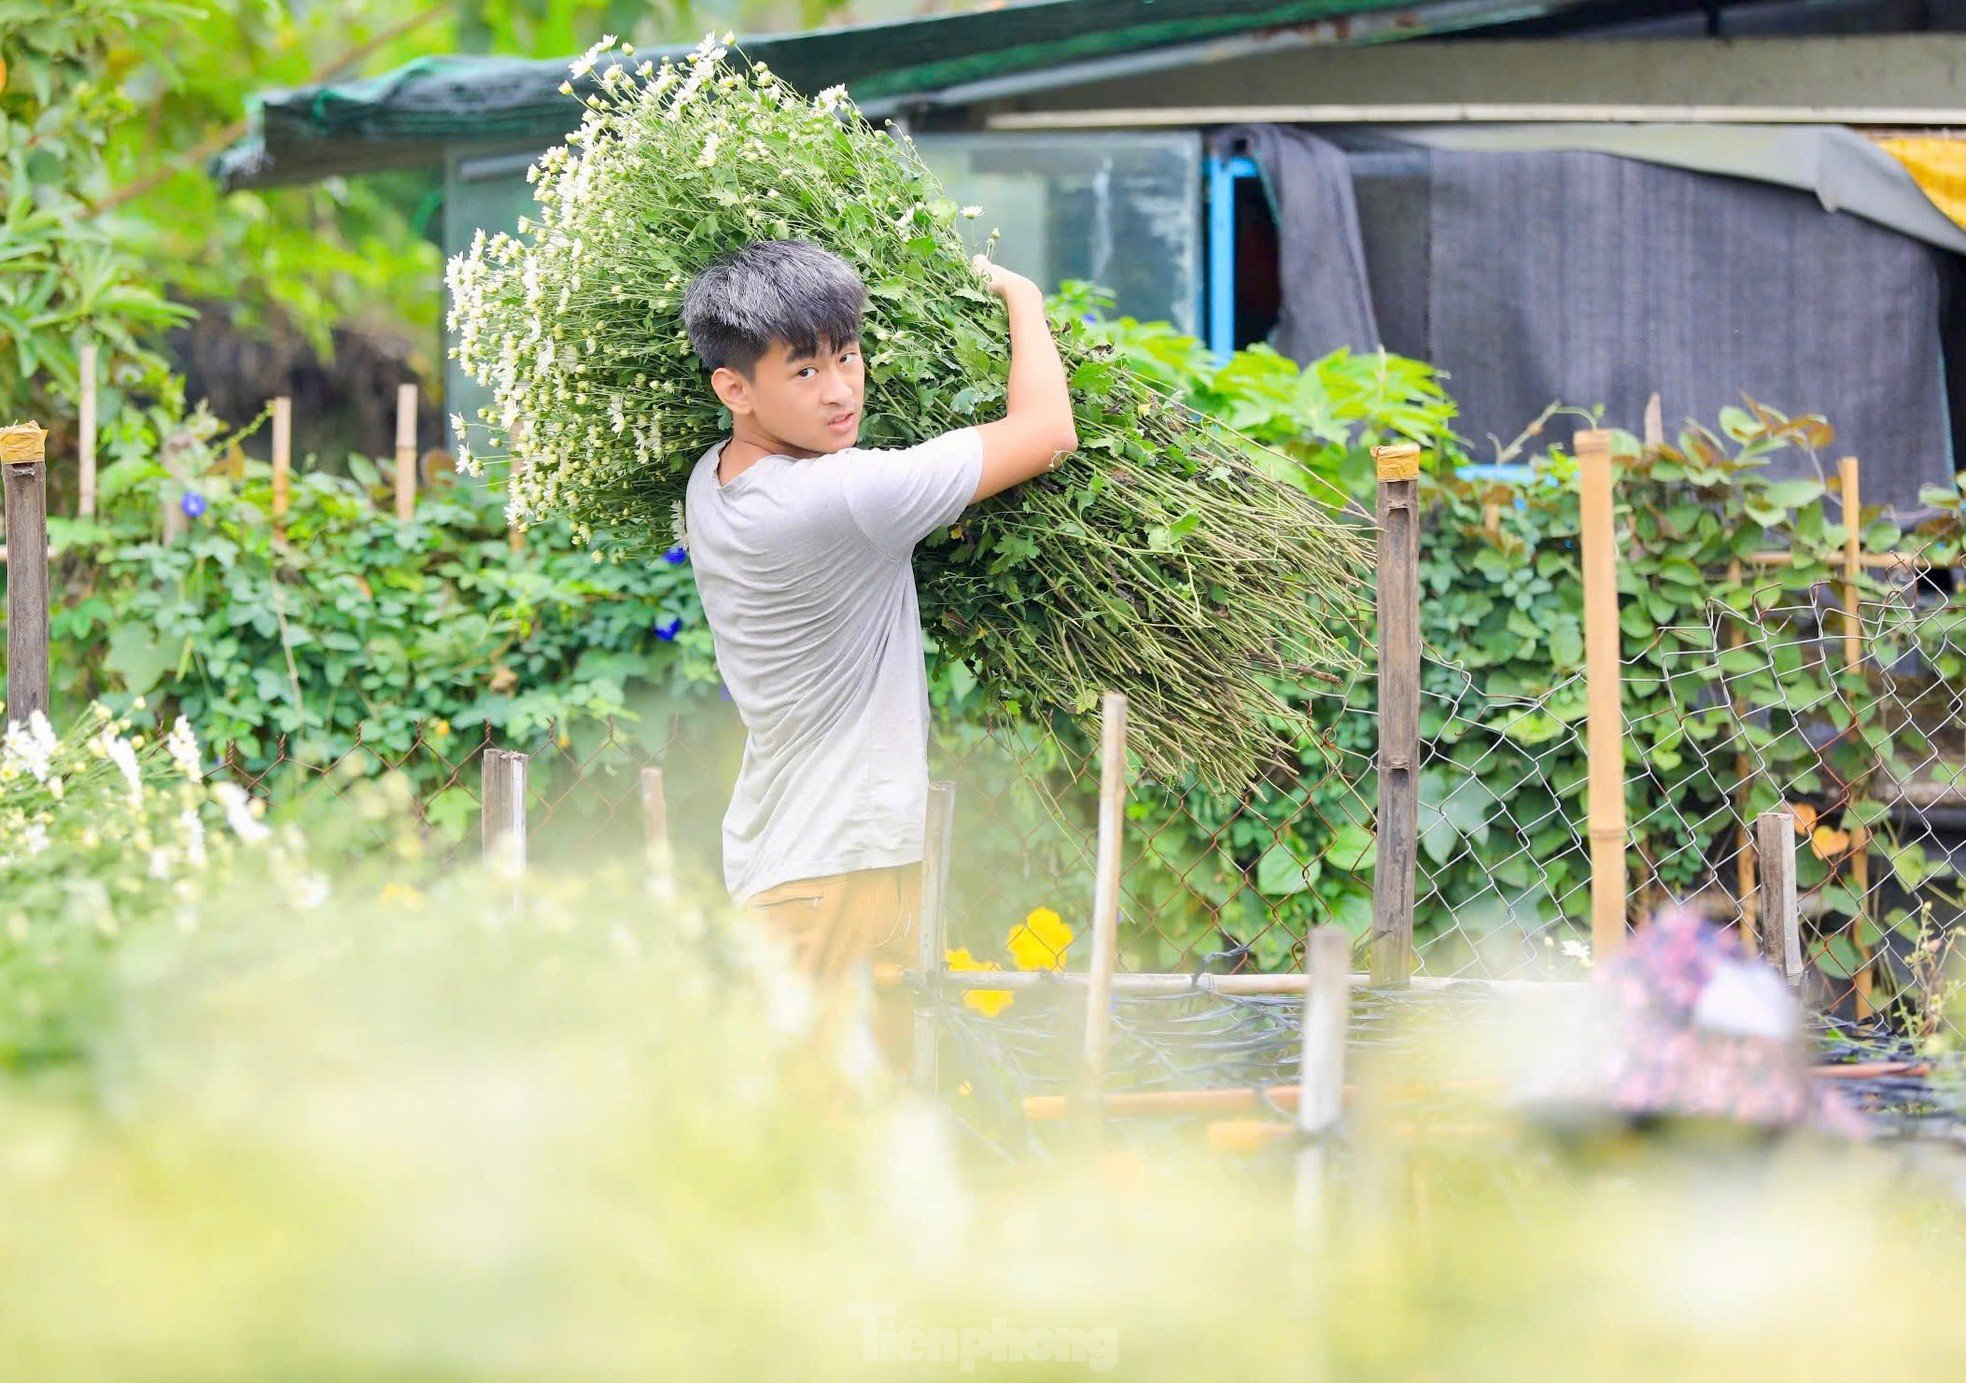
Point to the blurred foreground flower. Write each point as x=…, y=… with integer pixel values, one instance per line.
x=1040, y=941
x=988, y=1002
x=103, y=829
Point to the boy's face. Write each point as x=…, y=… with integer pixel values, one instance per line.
x=810, y=403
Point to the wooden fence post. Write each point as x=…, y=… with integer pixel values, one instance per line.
x=85, y=478
x=938, y=844
x=1853, y=661
x=283, y=461
x=405, y=452
x=1321, y=1069
x=502, y=795
x=1605, y=730
x=23, y=456
x=1781, y=939
x=1106, y=894
x=1743, y=771
x=655, y=829
x=1399, y=714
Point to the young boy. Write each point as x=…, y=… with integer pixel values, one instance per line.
x=802, y=545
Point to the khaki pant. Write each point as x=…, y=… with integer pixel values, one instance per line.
x=838, y=922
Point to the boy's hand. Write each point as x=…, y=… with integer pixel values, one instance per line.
x=1002, y=281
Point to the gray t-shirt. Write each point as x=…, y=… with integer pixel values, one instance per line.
x=808, y=582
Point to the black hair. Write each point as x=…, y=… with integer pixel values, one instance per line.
x=772, y=290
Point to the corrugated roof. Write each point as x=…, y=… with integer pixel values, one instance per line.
x=408, y=117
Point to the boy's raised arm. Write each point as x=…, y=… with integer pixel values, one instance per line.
x=1037, y=425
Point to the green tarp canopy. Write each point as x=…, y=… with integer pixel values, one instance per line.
x=409, y=117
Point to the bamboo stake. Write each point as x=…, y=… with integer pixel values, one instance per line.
x=1853, y=661
x=24, y=457
x=1853, y=564
x=1781, y=938
x=1605, y=733
x=283, y=460
x=655, y=830
x=1106, y=889
x=1865, y=978
x=1393, y=878
x=931, y=951
x=405, y=452
x=1321, y=1066
x=1868, y=559
x=86, y=440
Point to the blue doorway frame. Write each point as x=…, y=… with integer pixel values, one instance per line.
x=1218, y=305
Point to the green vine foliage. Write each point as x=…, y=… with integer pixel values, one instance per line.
x=363, y=630
x=1735, y=694
x=1734, y=689
x=357, y=629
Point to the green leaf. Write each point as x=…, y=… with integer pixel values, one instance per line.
x=138, y=657
x=1351, y=849
x=1279, y=873
x=1792, y=493
x=452, y=812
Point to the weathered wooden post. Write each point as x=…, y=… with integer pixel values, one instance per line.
x=85, y=426
x=1605, y=728
x=1321, y=1069
x=502, y=798
x=1781, y=932
x=283, y=461
x=405, y=452
x=1399, y=713
x=1106, y=895
x=1853, y=662
x=23, y=456
x=655, y=829
x=938, y=843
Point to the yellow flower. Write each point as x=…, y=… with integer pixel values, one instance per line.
x=440, y=727
x=988, y=1002
x=1039, y=941
x=393, y=891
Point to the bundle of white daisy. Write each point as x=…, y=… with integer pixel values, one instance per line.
x=1166, y=561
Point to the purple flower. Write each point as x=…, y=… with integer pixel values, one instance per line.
x=192, y=503
x=676, y=555
x=723, y=692
x=666, y=630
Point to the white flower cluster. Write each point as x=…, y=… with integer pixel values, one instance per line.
x=30, y=749
x=106, y=820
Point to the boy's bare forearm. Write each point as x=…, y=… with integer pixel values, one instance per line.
x=1036, y=429
x=1036, y=389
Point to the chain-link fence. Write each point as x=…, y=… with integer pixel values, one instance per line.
x=1827, y=677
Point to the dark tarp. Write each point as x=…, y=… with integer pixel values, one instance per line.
x=1318, y=238
x=1586, y=278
